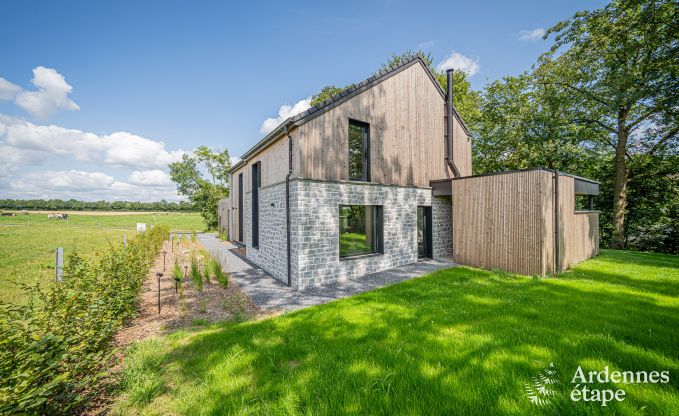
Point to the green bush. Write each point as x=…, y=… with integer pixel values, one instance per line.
x=177, y=273
x=55, y=350
x=196, y=276
x=219, y=274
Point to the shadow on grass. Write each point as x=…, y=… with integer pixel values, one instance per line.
x=459, y=341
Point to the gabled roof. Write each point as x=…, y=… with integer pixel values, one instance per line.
x=341, y=97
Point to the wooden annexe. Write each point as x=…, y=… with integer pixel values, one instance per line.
x=507, y=221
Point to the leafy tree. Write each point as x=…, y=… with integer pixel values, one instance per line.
x=327, y=92
x=204, y=194
x=618, y=64
x=523, y=124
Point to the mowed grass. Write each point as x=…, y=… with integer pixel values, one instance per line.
x=457, y=341
x=27, y=242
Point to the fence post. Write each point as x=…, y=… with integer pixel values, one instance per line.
x=125, y=241
x=159, y=275
x=59, y=264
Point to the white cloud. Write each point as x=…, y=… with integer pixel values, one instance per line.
x=234, y=160
x=459, y=62
x=82, y=185
x=51, y=96
x=119, y=149
x=154, y=177
x=63, y=180
x=531, y=35
x=284, y=112
x=8, y=90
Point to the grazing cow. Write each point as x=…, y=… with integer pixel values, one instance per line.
x=50, y=216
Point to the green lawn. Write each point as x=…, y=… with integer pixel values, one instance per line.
x=27, y=242
x=458, y=341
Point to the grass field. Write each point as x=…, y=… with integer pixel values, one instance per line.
x=458, y=341
x=27, y=242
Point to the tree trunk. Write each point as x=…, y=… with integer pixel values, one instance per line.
x=620, y=191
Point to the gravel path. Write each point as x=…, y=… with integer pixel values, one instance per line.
x=273, y=296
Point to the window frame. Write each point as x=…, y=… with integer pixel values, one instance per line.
x=377, y=231
x=256, y=183
x=366, y=150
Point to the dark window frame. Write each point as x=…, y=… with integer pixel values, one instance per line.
x=256, y=184
x=377, y=231
x=240, y=207
x=366, y=150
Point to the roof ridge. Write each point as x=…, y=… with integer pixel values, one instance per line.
x=382, y=72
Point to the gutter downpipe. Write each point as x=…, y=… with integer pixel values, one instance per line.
x=556, y=222
x=287, y=204
x=449, y=124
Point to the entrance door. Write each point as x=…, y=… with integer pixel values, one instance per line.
x=424, y=232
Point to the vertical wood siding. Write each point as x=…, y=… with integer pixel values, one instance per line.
x=506, y=222
x=407, y=134
x=579, y=230
x=499, y=222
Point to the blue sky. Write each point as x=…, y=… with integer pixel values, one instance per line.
x=149, y=79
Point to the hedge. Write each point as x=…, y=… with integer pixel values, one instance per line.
x=55, y=350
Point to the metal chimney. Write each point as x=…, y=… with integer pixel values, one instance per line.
x=450, y=128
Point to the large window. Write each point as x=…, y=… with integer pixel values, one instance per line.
x=359, y=151
x=360, y=230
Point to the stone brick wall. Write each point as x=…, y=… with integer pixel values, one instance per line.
x=314, y=213
x=315, y=229
x=272, y=253
x=442, y=226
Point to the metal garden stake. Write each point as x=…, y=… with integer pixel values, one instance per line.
x=164, y=253
x=59, y=263
x=159, y=275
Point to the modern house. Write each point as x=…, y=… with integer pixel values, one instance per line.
x=379, y=176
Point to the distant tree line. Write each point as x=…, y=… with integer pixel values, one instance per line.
x=75, y=205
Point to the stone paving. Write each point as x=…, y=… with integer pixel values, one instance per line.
x=272, y=295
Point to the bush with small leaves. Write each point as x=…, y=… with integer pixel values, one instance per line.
x=55, y=351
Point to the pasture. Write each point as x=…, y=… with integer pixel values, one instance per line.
x=27, y=242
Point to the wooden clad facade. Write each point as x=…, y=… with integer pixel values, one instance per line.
x=406, y=114
x=506, y=221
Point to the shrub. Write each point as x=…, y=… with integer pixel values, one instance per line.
x=55, y=350
x=177, y=273
x=196, y=276
x=219, y=274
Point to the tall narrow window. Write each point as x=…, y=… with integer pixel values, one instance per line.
x=256, y=183
x=240, y=207
x=360, y=230
x=359, y=151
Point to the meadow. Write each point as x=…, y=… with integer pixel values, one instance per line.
x=27, y=242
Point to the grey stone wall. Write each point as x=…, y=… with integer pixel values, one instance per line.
x=442, y=226
x=272, y=253
x=315, y=229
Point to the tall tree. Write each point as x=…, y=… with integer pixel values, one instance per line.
x=619, y=66
x=190, y=174
x=523, y=124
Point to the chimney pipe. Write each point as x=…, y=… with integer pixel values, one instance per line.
x=450, y=129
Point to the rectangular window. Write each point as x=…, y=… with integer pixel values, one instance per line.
x=360, y=230
x=240, y=207
x=256, y=183
x=359, y=151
